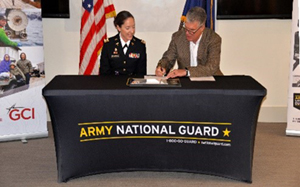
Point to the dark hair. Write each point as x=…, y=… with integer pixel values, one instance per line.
x=21, y=55
x=121, y=17
x=2, y=17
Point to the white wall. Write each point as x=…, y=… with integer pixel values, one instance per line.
x=259, y=48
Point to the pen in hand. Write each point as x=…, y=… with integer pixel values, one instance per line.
x=162, y=71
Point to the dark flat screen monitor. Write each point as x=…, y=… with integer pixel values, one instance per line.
x=254, y=9
x=55, y=9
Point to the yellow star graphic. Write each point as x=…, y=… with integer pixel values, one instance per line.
x=226, y=132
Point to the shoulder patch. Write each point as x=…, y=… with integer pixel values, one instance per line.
x=143, y=41
x=106, y=40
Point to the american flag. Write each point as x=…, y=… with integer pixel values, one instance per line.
x=93, y=33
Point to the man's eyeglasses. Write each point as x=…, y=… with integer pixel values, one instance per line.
x=190, y=31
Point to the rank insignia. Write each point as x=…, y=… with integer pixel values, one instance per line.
x=115, y=51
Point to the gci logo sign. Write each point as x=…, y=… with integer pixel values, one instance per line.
x=17, y=113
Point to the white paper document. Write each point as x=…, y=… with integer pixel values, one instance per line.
x=153, y=77
x=156, y=81
x=152, y=81
x=209, y=78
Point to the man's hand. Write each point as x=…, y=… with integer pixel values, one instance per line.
x=177, y=73
x=160, y=71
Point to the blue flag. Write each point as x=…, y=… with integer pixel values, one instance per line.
x=207, y=5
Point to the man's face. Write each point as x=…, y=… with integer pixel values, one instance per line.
x=2, y=22
x=193, y=30
x=23, y=56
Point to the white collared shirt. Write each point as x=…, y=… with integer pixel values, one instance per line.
x=194, y=52
x=123, y=43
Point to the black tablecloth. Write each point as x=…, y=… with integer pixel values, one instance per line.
x=101, y=125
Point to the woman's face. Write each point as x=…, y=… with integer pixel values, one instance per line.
x=6, y=57
x=127, y=30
